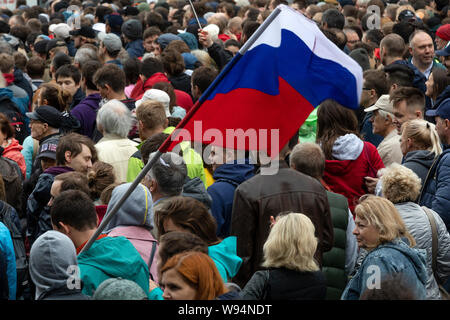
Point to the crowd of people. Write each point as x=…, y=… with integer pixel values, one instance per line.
x=359, y=207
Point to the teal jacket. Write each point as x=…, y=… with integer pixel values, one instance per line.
x=112, y=257
x=225, y=257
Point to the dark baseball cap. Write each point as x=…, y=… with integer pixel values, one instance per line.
x=84, y=31
x=406, y=15
x=444, y=52
x=46, y=114
x=442, y=111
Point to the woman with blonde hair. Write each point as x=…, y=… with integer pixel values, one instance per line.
x=191, y=276
x=292, y=272
x=401, y=186
x=381, y=231
x=420, y=146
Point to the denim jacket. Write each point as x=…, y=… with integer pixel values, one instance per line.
x=389, y=259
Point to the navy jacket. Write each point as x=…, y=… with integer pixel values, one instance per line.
x=135, y=48
x=38, y=213
x=436, y=191
x=227, y=178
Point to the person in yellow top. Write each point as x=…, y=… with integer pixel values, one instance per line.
x=152, y=119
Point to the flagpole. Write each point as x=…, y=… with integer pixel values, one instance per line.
x=114, y=210
x=195, y=14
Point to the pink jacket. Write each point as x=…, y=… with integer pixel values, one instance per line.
x=143, y=241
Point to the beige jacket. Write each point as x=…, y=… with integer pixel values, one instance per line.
x=389, y=149
x=116, y=151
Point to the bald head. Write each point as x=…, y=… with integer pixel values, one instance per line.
x=421, y=49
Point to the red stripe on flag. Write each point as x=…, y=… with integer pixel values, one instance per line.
x=246, y=109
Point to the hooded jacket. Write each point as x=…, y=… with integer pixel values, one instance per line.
x=391, y=258
x=134, y=220
x=112, y=257
x=140, y=87
x=419, y=161
x=13, y=152
x=354, y=160
x=195, y=188
x=418, y=225
x=227, y=178
x=225, y=258
x=86, y=113
x=51, y=258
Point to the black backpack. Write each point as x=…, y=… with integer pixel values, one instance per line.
x=17, y=119
x=7, y=217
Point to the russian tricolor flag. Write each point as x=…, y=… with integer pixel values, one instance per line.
x=285, y=70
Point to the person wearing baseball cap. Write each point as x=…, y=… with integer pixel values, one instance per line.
x=45, y=122
x=83, y=35
x=383, y=124
x=444, y=56
x=110, y=46
x=436, y=188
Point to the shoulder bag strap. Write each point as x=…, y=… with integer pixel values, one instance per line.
x=434, y=239
x=152, y=255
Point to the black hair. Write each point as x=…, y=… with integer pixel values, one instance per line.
x=74, y=208
x=69, y=71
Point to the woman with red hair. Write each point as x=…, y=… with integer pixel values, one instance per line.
x=191, y=276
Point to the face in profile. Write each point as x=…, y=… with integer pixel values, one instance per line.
x=366, y=235
x=176, y=287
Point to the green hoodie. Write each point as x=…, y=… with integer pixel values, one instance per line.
x=112, y=257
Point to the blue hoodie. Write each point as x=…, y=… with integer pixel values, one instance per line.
x=225, y=258
x=227, y=178
x=391, y=258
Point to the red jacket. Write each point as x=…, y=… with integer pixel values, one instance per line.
x=346, y=177
x=141, y=87
x=184, y=100
x=12, y=152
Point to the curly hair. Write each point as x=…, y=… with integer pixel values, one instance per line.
x=400, y=184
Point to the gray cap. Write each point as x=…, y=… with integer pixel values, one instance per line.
x=132, y=29
x=119, y=289
x=111, y=41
